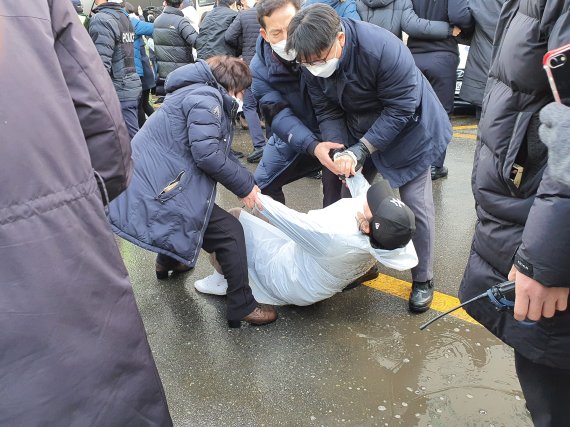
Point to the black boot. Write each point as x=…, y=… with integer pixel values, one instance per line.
x=438, y=172
x=421, y=296
x=164, y=265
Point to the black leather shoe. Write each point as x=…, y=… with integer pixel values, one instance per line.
x=237, y=154
x=369, y=275
x=316, y=175
x=438, y=172
x=175, y=267
x=421, y=296
x=255, y=156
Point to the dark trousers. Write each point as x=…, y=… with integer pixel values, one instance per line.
x=252, y=118
x=440, y=68
x=224, y=237
x=130, y=111
x=547, y=392
x=302, y=166
x=145, y=109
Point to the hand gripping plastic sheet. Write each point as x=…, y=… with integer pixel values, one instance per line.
x=303, y=258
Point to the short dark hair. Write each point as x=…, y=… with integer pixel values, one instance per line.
x=227, y=3
x=312, y=30
x=267, y=7
x=232, y=73
x=174, y=3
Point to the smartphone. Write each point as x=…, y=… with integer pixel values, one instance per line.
x=557, y=66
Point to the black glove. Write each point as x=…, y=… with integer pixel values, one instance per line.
x=270, y=110
x=361, y=153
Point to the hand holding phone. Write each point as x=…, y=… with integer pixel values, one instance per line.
x=557, y=66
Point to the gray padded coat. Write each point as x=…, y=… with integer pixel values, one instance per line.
x=74, y=350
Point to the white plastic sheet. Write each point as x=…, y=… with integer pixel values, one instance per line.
x=303, y=258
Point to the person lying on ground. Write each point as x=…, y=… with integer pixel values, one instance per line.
x=302, y=258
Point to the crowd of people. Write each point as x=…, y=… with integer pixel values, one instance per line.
x=338, y=92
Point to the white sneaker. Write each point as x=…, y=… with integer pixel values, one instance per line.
x=214, y=284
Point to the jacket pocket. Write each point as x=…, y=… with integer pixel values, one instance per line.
x=173, y=188
x=525, y=157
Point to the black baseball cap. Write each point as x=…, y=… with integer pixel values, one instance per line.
x=393, y=223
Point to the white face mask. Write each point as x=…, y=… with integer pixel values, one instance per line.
x=279, y=49
x=324, y=70
x=239, y=103
x=250, y=3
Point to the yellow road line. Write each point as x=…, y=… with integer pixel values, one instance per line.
x=465, y=127
x=401, y=289
x=465, y=135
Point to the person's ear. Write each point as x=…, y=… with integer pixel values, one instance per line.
x=365, y=227
x=263, y=34
x=341, y=39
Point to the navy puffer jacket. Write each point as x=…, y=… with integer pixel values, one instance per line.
x=526, y=224
x=243, y=33
x=377, y=94
x=180, y=154
x=281, y=88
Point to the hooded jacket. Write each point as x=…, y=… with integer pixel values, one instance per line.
x=180, y=154
x=525, y=224
x=73, y=346
x=111, y=31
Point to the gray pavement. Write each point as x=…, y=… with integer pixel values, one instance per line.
x=355, y=359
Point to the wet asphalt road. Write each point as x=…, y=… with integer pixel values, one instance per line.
x=356, y=359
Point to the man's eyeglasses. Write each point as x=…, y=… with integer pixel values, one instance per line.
x=318, y=61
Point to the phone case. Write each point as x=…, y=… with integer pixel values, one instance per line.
x=557, y=66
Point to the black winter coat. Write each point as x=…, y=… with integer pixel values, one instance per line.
x=211, y=40
x=393, y=108
x=528, y=224
x=485, y=15
x=456, y=12
x=174, y=36
x=114, y=37
x=243, y=33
